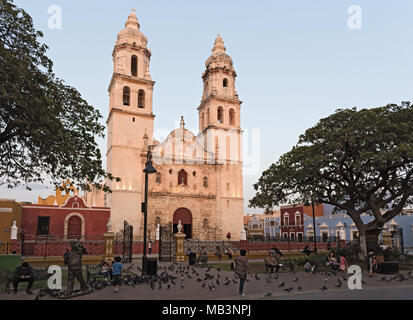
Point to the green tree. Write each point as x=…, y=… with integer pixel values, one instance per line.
x=358, y=161
x=47, y=131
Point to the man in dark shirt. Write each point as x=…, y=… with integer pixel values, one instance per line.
x=24, y=273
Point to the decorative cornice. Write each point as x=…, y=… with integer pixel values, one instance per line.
x=130, y=112
x=137, y=80
x=219, y=98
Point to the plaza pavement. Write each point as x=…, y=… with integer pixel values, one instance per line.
x=255, y=289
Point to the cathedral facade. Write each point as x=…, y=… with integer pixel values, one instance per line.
x=199, y=177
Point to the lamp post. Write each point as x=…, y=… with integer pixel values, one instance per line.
x=149, y=169
x=314, y=233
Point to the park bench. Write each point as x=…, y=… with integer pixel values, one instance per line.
x=39, y=274
x=93, y=273
x=202, y=261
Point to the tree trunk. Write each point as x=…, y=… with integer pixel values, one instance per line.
x=363, y=244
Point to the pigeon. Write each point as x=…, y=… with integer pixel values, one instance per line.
x=203, y=286
x=281, y=285
x=339, y=283
x=268, y=280
x=382, y=279
x=299, y=288
x=363, y=282
x=210, y=287
x=288, y=289
x=227, y=283
x=394, y=278
x=323, y=288
x=268, y=294
x=276, y=276
x=256, y=277
x=169, y=286
x=295, y=280
x=199, y=279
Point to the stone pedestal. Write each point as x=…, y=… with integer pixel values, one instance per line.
x=180, y=252
x=386, y=239
x=109, y=246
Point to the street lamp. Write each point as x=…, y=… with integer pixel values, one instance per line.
x=314, y=234
x=149, y=169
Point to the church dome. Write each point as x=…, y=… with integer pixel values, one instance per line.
x=131, y=34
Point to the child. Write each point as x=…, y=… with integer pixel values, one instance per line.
x=105, y=270
x=343, y=264
x=117, y=267
x=308, y=268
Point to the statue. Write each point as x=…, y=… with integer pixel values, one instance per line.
x=75, y=268
x=179, y=227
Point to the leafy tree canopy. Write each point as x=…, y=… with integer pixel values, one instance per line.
x=358, y=161
x=47, y=131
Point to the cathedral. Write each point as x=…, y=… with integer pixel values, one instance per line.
x=199, y=177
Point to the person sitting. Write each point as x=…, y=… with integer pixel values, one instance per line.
x=332, y=261
x=343, y=264
x=23, y=273
x=218, y=252
x=230, y=254
x=105, y=270
x=271, y=263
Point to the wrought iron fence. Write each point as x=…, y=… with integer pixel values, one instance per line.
x=296, y=239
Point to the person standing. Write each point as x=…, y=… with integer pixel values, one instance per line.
x=117, y=268
x=24, y=273
x=241, y=270
x=74, y=268
x=229, y=236
x=150, y=247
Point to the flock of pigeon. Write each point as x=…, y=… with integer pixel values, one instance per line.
x=175, y=275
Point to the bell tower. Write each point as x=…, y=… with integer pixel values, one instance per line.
x=220, y=129
x=130, y=123
x=220, y=108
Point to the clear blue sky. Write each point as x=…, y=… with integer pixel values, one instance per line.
x=297, y=61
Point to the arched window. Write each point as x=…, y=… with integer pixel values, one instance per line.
x=205, y=182
x=134, y=66
x=231, y=117
x=225, y=83
x=126, y=96
x=141, y=98
x=158, y=178
x=208, y=119
x=182, y=177
x=205, y=223
x=74, y=228
x=220, y=115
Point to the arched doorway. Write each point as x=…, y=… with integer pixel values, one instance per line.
x=186, y=220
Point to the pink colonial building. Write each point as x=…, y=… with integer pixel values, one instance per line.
x=73, y=220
